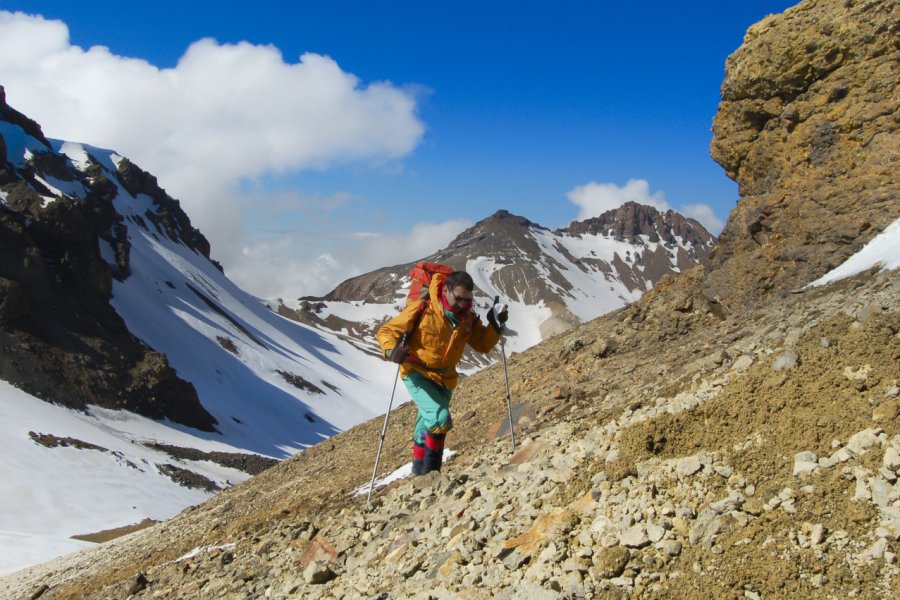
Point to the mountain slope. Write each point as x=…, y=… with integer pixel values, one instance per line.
x=706, y=441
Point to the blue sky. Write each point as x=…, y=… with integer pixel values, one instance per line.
x=547, y=110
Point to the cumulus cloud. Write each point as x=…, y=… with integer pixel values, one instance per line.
x=225, y=114
x=316, y=261
x=703, y=213
x=594, y=199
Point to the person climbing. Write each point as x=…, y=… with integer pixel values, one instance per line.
x=440, y=329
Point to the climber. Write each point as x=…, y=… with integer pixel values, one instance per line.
x=440, y=324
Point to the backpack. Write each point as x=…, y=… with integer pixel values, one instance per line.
x=421, y=275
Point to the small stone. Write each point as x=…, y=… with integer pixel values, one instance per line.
x=875, y=552
x=870, y=311
x=805, y=463
x=708, y=525
x=886, y=411
x=733, y=502
x=817, y=534
x=786, y=360
x=622, y=582
x=860, y=374
x=882, y=492
x=610, y=563
x=515, y=560
x=842, y=455
x=609, y=541
x=863, y=441
x=634, y=537
x=601, y=525
x=655, y=532
x=725, y=471
x=891, y=460
x=742, y=363
x=670, y=547
x=688, y=466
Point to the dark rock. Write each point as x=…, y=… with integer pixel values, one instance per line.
x=139, y=585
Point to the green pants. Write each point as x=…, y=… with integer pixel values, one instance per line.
x=433, y=402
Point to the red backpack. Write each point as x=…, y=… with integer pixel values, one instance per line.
x=421, y=275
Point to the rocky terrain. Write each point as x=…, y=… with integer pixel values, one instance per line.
x=760, y=461
x=734, y=434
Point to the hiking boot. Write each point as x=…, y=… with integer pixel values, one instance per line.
x=418, y=462
x=434, y=451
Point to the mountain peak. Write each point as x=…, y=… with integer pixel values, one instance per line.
x=29, y=126
x=632, y=220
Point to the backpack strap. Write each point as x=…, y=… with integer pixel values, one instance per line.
x=420, y=313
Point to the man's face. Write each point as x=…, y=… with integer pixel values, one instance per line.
x=459, y=297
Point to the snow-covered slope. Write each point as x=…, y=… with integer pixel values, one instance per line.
x=273, y=386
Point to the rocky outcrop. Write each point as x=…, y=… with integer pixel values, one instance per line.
x=59, y=337
x=808, y=129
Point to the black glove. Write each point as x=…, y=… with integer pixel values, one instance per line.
x=399, y=352
x=497, y=315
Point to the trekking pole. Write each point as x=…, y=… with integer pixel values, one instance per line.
x=383, y=431
x=512, y=433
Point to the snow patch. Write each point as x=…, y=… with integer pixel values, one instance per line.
x=19, y=145
x=884, y=249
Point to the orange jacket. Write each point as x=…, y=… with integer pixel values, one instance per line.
x=435, y=348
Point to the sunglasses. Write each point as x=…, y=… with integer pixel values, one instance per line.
x=459, y=300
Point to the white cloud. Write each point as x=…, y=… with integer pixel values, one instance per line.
x=312, y=263
x=703, y=213
x=594, y=199
x=225, y=114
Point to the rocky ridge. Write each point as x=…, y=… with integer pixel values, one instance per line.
x=505, y=237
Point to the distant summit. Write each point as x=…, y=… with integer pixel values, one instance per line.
x=631, y=221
